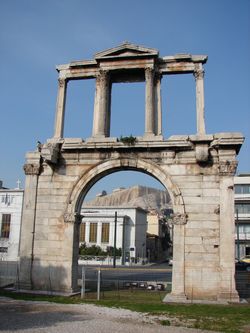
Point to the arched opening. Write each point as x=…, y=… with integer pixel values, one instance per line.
x=93, y=175
x=143, y=209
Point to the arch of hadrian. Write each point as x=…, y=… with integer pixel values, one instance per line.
x=197, y=170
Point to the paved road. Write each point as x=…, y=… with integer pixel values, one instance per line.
x=41, y=317
x=145, y=273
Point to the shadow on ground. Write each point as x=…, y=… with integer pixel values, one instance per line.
x=16, y=315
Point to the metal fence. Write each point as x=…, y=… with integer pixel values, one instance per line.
x=94, y=283
x=8, y=272
x=101, y=287
x=242, y=279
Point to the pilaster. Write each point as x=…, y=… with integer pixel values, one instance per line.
x=227, y=291
x=32, y=170
x=60, y=108
x=200, y=109
x=102, y=104
x=178, y=274
x=150, y=102
x=158, y=108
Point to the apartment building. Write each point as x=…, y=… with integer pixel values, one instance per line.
x=242, y=215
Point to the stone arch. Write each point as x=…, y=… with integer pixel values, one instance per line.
x=88, y=178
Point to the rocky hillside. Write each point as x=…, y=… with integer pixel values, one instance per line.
x=136, y=196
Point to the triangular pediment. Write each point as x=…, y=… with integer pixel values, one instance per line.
x=126, y=50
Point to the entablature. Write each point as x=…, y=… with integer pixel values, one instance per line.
x=219, y=141
x=129, y=56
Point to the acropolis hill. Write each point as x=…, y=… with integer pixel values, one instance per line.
x=135, y=196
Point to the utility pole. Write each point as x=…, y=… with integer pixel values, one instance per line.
x=83, y=283
x=98, y=283
x=238, y=238
x=114, y=253
x=123, y=240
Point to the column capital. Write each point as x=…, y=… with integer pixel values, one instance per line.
x=32, y=169
x=61, y=82
x=178, y=219
x=199, y=73
x=158, y=76
x=148, y=72
x=228, y=168
x=102, y=76
x=72, y=218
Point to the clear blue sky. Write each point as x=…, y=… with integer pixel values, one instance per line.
x=37, y=35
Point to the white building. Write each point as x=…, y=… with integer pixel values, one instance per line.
x=11, y=203
x=98, y=228
x=242, y=215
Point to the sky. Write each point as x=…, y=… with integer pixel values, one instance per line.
x=35, y=36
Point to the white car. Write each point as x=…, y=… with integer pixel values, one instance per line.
x=170, y=262
x=246, y=258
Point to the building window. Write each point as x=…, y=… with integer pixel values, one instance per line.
x=3, y=249
x=105, y=232
x=93, y=232
x=5, y=229
x=242, y=208
x=242, y=189
x=243, y=228
x=82, y=232
x=7, y=199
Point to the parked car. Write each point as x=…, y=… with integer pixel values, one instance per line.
x=170, y=262
x=151, y=287
x=242, y=266
x=246, y=259
x=143, y=285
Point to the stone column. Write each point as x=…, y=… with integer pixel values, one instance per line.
x=158, y=109
x=60, y=108
x=101, y=112
x=227, y=290
x=108, y=118
x=178, y=274
x=199, y=78
x=27, y=237
x=150, y=103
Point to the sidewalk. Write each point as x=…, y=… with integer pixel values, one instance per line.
x=40, y=317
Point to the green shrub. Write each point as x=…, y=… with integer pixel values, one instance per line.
x=128, y=140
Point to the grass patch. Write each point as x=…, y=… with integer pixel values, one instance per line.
x=223, y=318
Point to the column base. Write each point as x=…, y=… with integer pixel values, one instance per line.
x=227, y=297
x=151, y=137
x=102, y=139
x=223, y=298
x=175, y=298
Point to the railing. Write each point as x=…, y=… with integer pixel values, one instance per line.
x=108, y=260
x=98, y=260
